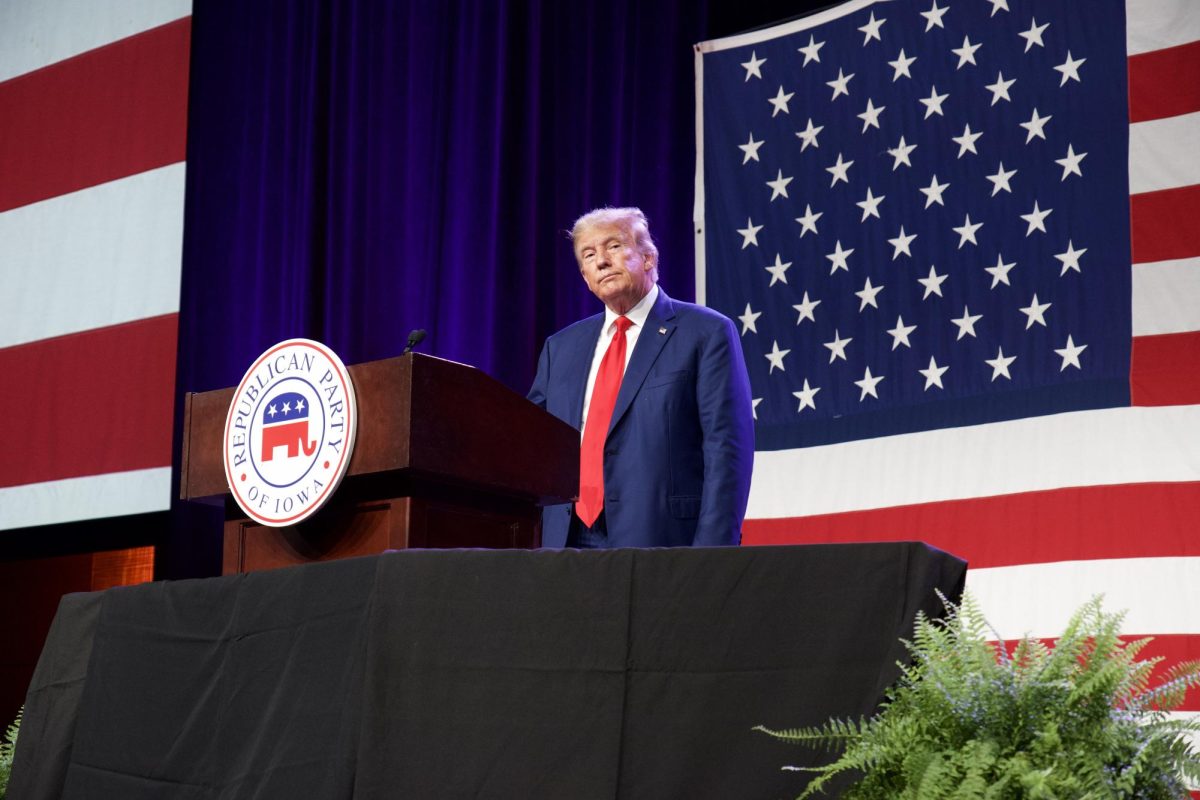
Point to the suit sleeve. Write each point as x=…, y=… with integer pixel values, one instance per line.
x=726, y=421
x=537, y=392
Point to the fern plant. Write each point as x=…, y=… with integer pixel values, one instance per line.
x=7, y=748
x=1079, y=719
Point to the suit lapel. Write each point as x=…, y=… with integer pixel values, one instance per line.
x=580, y=363
x=660, y=324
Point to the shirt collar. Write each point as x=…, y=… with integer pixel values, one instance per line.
x=637, y=315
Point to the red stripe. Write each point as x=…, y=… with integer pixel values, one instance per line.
x=1164, y=83
x=89, y=403
x=1172, y=648
x=111, y=112
x=1165, y=370
x=1093, y=522
x=1163, y=224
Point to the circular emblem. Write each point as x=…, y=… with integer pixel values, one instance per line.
x=289, y=432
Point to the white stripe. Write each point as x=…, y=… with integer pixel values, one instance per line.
x=1159, y=24
x=100, y=256
x=1160, y=595
x=1162, y=152
x=36, y=33
x=810, y=21
x=1083, y=448
x=1166, y=297
x=112, y=495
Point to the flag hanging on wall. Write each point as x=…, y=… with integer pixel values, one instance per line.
x=93, y=119
x=960, y=240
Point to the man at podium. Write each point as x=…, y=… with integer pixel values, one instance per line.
x=659, y=390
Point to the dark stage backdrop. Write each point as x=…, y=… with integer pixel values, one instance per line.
x=360, y=168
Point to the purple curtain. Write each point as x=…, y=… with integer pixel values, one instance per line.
x=357, y=169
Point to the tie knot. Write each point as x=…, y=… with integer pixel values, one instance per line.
x=623, y=324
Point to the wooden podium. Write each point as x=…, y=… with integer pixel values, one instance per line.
x=445, y=456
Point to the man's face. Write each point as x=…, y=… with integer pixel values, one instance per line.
x=613, y=266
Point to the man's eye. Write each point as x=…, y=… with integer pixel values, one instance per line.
x=615, y=246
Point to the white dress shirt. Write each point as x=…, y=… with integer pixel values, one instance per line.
x=637, y=315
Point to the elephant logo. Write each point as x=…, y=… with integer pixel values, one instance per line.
x=285, y=424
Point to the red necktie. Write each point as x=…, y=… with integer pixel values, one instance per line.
x=595, y=431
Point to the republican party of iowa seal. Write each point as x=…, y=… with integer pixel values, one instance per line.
x=290, y=432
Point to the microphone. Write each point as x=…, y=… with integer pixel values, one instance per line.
x=414, y=339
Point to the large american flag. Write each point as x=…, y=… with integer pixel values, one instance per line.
x=93, y=128
x=961, y=239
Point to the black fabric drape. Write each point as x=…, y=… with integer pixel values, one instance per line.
x=456, y=674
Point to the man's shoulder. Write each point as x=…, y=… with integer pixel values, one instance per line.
x=584, y=328
x=698, y=316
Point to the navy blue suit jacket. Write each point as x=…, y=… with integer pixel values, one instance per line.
x=680, y=446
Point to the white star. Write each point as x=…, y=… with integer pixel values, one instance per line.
x=901, y=65
x=776, y=357
x=966, y=141
x=749, y=319
x=1070, y=258
x=1034, y=34
x=1000, y=180
x=867, y=295
x=809, y=135
x=752, y=66
x=1000, y=363
x=966, y=232
x=780, y=102
x=749, y=234
x=779, y=185
x=900, y=154
x=900, y=333
x=839, y=171
x=271, y=410
x=809, y=221
x=999, y=89
x=805, y=396
x=1070, y=162
x=837, y=348
x=1036, y=219
x=750, y=148
x=1000, y=272
x=811, y=51
x=778, y=271
x=933, y=103
x=754, y=406
x=1036, y=312
x=868, y=384
x=1035, y=126
x=1070, y=354
x=870, y=206
x=966, y=323
x=966, y=53
x=841, y=85
x=934, y=16
x=932, y=283
x=933, y=375
x=870, y=116
x=287, y=407
x=1070, y=69
x=901, y=244
x=838, y=258
x=998, y=5
x=806, y=309
x=299, y=405
x=933, y=192
x=871, y=29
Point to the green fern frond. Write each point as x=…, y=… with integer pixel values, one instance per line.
x=1076, y=719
